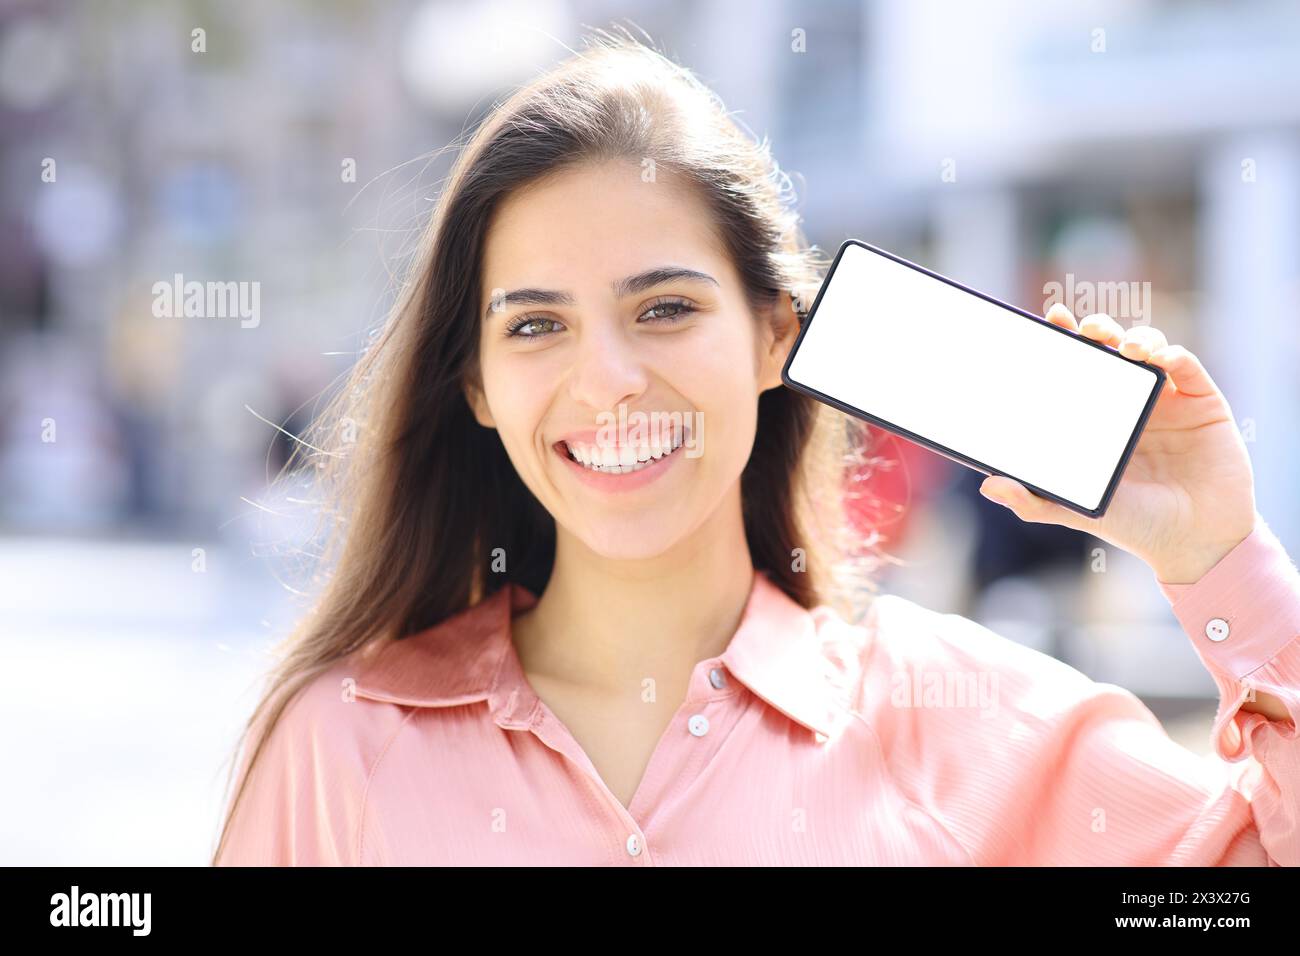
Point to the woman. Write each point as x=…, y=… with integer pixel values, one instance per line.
x=554, y=634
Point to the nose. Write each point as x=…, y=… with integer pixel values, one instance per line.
x=607, y=369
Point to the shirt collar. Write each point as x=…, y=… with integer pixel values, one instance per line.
x=776, y=652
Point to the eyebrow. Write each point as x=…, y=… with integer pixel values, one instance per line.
x=623, y=288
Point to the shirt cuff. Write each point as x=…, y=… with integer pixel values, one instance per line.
x=1243, y=617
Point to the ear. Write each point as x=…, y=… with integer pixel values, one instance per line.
x=478, y=404
x=778, y=328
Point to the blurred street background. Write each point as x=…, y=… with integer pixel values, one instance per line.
x=1145, y=151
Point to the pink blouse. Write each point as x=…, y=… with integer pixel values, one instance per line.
x=915, y=737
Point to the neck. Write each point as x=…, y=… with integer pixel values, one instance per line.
x=607, y=625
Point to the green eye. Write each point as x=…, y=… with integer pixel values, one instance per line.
x=513, y=329
x=682, y=309
x=537, y=326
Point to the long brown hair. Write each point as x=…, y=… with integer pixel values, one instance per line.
x=411, y=528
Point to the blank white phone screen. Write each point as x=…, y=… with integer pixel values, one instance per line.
x=976, y=378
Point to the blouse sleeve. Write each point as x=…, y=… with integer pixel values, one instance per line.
x=303, y=802
x=1243, y=618
x=1066, y=771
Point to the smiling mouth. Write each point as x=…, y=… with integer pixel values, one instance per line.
x=624, y=460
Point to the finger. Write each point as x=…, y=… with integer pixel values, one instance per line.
x=1141, y=340
x=1185, y=370
x=1028, y=506
x=1058, y=314
x=1102, y=328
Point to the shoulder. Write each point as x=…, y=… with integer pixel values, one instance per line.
x=324, y=721
x=304, y=797
x=1018, y=755
x=904, y=657
x=906, y=631
x=325, y=735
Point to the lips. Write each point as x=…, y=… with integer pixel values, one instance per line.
x=585, y=450
x=618, y=459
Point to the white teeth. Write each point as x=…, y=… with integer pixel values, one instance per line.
x=623, y=459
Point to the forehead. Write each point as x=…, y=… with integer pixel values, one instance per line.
x=599, y=222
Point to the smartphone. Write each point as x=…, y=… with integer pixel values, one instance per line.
x=981, y=382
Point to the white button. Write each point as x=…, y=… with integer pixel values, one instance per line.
x=1217, y=629
x=698, y=725
x=633, y=845
x=717, y=678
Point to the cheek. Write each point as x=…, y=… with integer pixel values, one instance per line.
x=722, y=346
x=723, y=366
x=718, y=380
x=518, y=395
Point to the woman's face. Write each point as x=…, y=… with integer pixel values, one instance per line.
x=621, y=302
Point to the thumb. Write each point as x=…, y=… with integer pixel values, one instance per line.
x=1028, y=506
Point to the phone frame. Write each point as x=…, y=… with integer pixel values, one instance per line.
x=948, y=452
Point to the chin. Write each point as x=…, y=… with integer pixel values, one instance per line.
x=634, y=540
